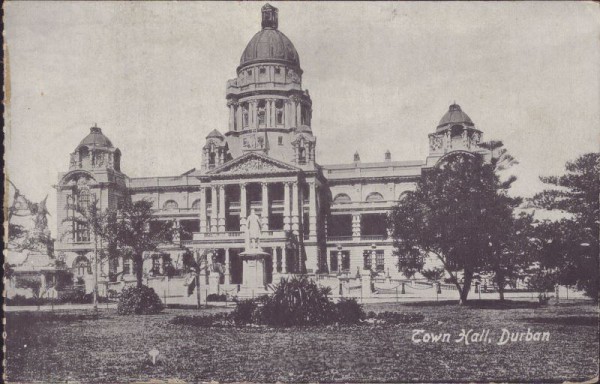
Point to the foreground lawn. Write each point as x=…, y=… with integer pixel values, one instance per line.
x=111, y=348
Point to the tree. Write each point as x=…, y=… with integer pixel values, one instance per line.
x=571, y=245
x=197, y=264
x=137, y=231
x=456, y=213
x=511, y=251
x=90, y=217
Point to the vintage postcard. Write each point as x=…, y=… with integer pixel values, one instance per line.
x=301, y=191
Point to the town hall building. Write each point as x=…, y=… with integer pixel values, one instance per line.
x=318, y=219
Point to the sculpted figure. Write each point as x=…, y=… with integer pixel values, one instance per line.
x=253, y=230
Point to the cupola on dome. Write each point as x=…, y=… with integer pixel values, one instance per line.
x=96, y=138
x=455, y=115
x=270, y=44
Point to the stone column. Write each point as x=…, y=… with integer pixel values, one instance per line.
x=295, y=212
x=203, y=210
x=221, y=208
x=286, y=206
x=268, y=113
x=238, y=117
x=356, y=226
x=230, y=104
x=274, y=261
x=213, y=208
x=243, y=207
x=264, y=214
x=227, y=267
x=339, y=261
x=298, y=113
x=312, y=209
x=287, y=114
x=284, y=265
x=253, y=114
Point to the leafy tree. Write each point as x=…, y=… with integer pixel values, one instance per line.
x=570, y=246
x=196, y=264
x=511, y=251
x=457, y=213
x=138, y=231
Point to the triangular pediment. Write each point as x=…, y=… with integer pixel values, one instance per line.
x=253, y=163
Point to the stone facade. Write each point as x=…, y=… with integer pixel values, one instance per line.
x=334, y=214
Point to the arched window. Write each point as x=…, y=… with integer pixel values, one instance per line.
x=374, y=196
x=196, y=204
x=212, y=159
x=279, y=112
x=81, y=266
x=261, y=112
x=342, y=198
x=117, y=163
x=245, y=121
x=79, y=205
x=84, y=157
x=170, y=204
x=301, y=156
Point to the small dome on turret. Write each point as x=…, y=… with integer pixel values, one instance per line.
x=96, y=138
x=270, y=44
x=215, y=134
x=455, y=115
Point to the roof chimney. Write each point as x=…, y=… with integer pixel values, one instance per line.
x=356, y=157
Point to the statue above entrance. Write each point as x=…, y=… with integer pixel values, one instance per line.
x=253, y=232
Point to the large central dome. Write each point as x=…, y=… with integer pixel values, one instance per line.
x=270, y=44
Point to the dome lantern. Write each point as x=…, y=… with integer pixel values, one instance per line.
x=269, y=16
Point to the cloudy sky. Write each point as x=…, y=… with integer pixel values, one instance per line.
x=381, y=75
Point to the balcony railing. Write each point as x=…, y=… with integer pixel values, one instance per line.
x=373, y=237
x=339, y=238
x=236, y=235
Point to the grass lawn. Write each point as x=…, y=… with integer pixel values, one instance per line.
x=111, y=348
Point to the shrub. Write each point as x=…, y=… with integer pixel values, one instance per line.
x=216, y=297
x=245, y=312
x=348, y=311
x=297, y=301
x=139, y=301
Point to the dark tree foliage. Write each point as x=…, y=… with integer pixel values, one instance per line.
x=131, y=227
x=458, y=213
x=569, y=247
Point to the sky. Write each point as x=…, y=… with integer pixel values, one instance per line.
x=381, y=75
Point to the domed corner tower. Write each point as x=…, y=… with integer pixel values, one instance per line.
x=94, y=177
x=455, y=132
x=268, y=109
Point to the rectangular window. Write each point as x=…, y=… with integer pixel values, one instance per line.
x=263, y=71
x=345, y=261
x=156, y=265
x=333, y=261
x=277, y=70
x=126, y=266
x=379, y=261
x=280, y=140
x=367, y=259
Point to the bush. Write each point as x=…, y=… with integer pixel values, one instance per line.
x=245, y=312
x=298, y=301
x=348, y=311
x=139, y=301
x=214, y=320
x=216, y=297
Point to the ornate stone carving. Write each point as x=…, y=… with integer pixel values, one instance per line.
x=435, y=142
x=475, y=139
x=73, y=161
x=253, y=166
x=293, y=76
